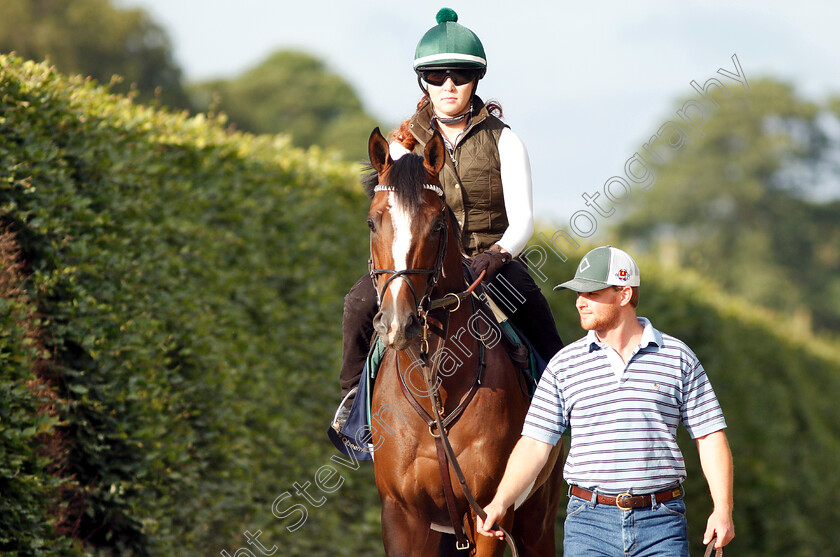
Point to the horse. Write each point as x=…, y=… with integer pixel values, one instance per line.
x=442, y=354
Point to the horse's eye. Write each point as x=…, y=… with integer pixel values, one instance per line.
x=439, y=225
x=371, y=225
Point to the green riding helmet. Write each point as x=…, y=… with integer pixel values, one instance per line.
x=449, y=44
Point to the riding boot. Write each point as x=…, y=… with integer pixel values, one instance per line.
x=360, y=307
x=521, y=299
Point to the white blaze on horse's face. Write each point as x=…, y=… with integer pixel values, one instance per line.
x=401, y=222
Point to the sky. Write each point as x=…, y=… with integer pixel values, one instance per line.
x=583, y=84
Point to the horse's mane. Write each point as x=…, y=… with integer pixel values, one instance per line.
x=407, y=176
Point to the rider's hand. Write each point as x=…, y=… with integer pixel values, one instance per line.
x=491, y=259
x=485, y=527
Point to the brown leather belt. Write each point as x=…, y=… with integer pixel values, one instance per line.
x=625, y=501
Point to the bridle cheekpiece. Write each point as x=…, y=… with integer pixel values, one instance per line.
x=424, y=302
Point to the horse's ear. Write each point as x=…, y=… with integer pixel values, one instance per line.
x=435, y=154
x=378, y=151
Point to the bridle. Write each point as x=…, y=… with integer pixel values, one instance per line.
x=424, y=302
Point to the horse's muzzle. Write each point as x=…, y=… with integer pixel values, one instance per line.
x=397, y=330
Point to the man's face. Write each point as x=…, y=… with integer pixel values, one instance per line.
x=599, y=310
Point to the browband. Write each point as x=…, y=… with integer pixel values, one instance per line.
x=432, y=187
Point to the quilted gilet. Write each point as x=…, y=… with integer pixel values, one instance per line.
x=471, y=178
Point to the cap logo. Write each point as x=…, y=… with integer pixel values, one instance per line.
x=622, y=274
x=584, y=265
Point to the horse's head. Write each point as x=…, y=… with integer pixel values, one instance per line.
x=408, y=236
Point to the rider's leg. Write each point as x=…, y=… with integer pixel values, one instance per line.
x=509, y=287
x=357, y=329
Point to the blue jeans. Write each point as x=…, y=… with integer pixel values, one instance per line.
x=607, y=531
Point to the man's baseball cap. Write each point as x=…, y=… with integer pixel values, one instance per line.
x=603, y=267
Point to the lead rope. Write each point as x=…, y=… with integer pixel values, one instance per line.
x=710, y=547
x=450, y=453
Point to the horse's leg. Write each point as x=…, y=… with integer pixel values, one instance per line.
x=405, y=533
x=533, y=526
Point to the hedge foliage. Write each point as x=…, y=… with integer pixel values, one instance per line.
x=170, y=305
x=188, y=286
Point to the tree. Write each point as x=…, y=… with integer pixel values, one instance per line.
x=746, y=203
x=93, y=38
x=294, y=93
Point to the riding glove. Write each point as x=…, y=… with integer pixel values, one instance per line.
x=491, y=259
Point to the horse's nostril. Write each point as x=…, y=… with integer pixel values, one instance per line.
x=412, y=326
x=379, y=323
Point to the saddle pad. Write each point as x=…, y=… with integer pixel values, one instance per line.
x=354, y=438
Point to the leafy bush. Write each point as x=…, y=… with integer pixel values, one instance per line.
x=189, y=283
x=25, y=420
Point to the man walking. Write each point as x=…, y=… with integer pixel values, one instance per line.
x=623, y=389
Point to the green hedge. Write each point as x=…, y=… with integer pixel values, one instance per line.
x=189, y=284
x=25, y=419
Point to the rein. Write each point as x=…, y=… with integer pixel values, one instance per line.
x=710, y=547
x=446, y=455
x=444, y=446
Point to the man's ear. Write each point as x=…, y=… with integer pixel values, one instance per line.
x=625, y=295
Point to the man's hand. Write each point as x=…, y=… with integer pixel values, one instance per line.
x=719, y=524
x=485, y=527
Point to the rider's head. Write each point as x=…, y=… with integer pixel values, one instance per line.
x=449, y=51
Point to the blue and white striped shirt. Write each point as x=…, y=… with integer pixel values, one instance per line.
x=624, y=418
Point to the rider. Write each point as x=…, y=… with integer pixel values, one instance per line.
x=487, y=182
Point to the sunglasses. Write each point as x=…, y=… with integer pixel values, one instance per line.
x=439, y=77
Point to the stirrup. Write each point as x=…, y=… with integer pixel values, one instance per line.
x=343, y=410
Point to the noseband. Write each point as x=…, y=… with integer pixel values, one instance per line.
x=424, y=302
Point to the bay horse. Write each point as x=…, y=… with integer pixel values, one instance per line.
x=446, y=357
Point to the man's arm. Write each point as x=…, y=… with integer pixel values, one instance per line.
x=716, y=460
x=525, y=462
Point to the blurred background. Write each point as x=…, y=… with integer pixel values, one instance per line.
x=237, y=161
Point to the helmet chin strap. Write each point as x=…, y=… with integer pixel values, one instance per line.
x=454, y=119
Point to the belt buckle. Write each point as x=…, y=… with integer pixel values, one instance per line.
x=618, y=501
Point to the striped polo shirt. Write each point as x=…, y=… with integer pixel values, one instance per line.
x=624, y=418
